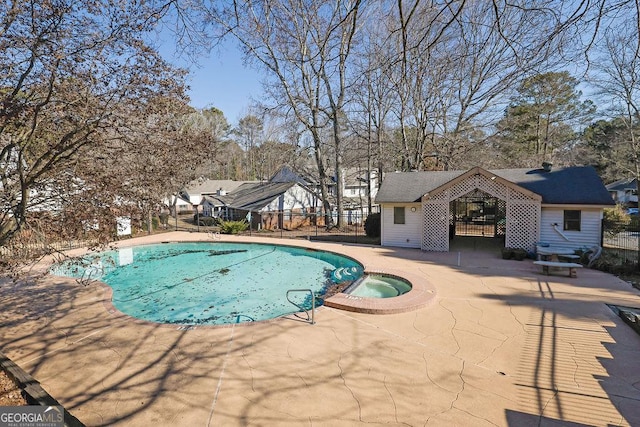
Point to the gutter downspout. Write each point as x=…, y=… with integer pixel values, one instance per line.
x=555, y=227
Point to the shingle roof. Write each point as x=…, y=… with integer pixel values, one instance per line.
x=211, y=186
x=573, y=185
x=623, y=184
x=256, y=196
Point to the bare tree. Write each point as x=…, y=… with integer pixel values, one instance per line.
x=211, y=128
x=249, y=131
x=75, y=77
x=304, y=47
x=618, y=81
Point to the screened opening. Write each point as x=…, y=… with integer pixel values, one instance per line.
x=478, y=214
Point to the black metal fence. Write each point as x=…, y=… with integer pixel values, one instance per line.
x=288, y=224
x=29, y=249
x=621, y=241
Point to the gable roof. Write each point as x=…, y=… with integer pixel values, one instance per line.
x=287, y=173
x=573, y=185
x=489, y=175
x=211, y=186
x=253, y=197
x=622, y=184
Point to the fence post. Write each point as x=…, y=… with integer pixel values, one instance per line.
x=637, y=252
x=356, y=227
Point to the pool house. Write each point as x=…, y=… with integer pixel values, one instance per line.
x=427, y=210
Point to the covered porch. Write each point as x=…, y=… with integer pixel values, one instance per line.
x=480, y=204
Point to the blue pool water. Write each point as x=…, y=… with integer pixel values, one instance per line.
x=211, y=283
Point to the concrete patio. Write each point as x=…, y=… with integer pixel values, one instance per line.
x=501, y=344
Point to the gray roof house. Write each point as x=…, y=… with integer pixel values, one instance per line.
x=258, y=198
x=193, y=192
x=522, y=206
x=357, y=184
x=253, y=197
x=624, y=191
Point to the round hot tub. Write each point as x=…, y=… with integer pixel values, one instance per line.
x=378, y=286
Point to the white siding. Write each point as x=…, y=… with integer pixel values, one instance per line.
x=407, y=235
x=589, y=234
x=296, y=197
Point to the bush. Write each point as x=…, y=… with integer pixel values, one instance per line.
x=204, y=220
x=507, y=253
x=514, y=253
x=616, y=220
x=208, y=221
x=154, y=223
x=372, y=225
x=233, y=227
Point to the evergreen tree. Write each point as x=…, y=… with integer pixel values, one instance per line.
x=540, y=123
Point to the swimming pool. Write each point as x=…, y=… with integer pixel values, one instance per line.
x=207, y=283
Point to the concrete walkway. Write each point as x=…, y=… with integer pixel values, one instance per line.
x=501, y=345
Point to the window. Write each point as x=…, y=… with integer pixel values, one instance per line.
x=398, y=215
x=572, y=220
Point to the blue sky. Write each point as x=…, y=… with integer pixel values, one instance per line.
x=218, y=80
x=222, y=81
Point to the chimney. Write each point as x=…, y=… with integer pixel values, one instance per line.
x=221, y=192
x=547, y=166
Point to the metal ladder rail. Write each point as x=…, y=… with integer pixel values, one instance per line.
x=87, y=275
x=310, y=319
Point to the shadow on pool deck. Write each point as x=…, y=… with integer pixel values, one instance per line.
x=487, y=245
x=502, y=345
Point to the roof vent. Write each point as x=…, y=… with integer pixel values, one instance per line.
x=547, y=166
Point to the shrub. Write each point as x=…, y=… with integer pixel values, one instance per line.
x=519, y=254
x=208, y=221
x=204, y=220
x=233, y=227
x=616, y=220
x=154, y=223
x=372, y=225
x=507, y=253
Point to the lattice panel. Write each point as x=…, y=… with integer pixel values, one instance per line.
x=435, y=237
x=523, y=222
x=440, y=197
x=476, y=194
x=516, y=195
x=523, y=213
x=479, y=181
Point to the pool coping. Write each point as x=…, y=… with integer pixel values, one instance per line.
x=421, y=295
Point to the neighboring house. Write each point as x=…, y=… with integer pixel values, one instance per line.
x=269, y=205
x=181, y=205
x=288, y=174
x=624, y=192
x=522, y=206
x=356, y=185
x=191, y=196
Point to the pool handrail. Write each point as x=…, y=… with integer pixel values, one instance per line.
x=310, y=319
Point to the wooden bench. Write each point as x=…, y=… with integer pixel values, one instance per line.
x=570, y=265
